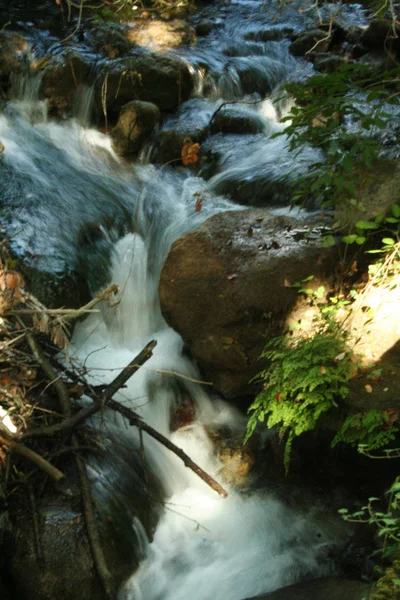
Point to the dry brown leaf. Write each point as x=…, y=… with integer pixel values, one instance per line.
x=189, y=153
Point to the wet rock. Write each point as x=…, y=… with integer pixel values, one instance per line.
x=189, y=126
x=136, y=121
x=237, y=460
x=254, y=178
x=310, y=40
x=224, y=288
x=270, y=34
x=61, y=81
x=379, y=193
x=13, y=52
x=326, y=62
x=120, y=499
x=109, y=39
x=162, y=80
x=13, y=56
x=379, y=35
x=236, y=120
x=157, y=34
x=204, y=27
x=378, y=60
x=322, y=589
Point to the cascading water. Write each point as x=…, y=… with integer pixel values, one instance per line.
x=61, y=179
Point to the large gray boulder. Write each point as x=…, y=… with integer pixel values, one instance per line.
x=225, y=287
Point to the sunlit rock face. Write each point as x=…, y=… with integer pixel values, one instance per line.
x=157, y=34
x=225, y=288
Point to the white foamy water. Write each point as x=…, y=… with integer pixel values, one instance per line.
x=204, y=546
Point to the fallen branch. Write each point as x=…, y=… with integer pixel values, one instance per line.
x=135, y=419
x=51, y=375
x=91, y=527
x=99, y=403
x=8, y=440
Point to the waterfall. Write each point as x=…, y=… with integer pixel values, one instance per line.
x=78, y=208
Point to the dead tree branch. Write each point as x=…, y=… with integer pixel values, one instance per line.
x=91, y=527
x=135, y=419
x=99, y=403
x=51, y=375
x=7, y=439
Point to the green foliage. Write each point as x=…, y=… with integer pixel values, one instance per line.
x=387, y=521
x=325, y=106
x=374, y=429
x=305, y=378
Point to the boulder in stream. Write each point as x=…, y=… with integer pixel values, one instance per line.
x=316, y=40
x=225, y=287
x=136, y=120
x=62, y=77
x=13, y=53
x=147, y=76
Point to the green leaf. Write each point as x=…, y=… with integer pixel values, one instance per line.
x=391, y=220
x=361, y=240
x=366, y=225
x=388, y=241
x=350, y=239
x=396, y=210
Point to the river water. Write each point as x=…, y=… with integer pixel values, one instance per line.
x=61, y=177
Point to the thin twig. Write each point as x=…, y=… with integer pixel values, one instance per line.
x=72, y=422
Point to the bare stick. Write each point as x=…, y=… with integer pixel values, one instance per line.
x=50, y=373
x=135, y=419
x=98, y=404
x=91, y=527
x=36, y=528
x=8, y=440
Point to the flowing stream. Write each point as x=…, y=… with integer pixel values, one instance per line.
x=62, y=178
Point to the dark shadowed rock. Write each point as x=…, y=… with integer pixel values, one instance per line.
x=61, y=80
x=322, y=589
x=310, y=40
x=190, y=125
x=163, y=80
x=136, y=121
x=225, y=288
x=204, y=27
x=326, y=62
x=231, y=119
x=270, y=34
x=13, y=55
x=120, y=498
x=380, y=35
